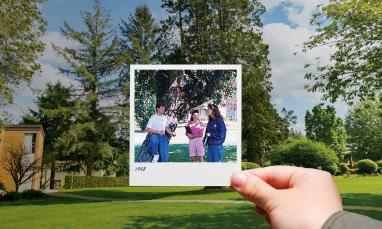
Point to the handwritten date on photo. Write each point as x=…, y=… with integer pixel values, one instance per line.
x=140, y=168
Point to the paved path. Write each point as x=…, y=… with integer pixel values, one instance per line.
x=75, y=196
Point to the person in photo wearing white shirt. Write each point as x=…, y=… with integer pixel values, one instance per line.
x=157, y=127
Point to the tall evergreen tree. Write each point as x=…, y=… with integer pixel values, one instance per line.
x=55, y=112
x=95, y=63
x=138, y=41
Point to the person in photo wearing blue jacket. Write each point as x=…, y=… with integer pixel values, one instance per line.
x=215, y=134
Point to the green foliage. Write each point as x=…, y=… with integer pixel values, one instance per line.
x=305, y=153
x=323, y=125
x=353, y=29
x=363, y=126
x=21, y=26
x=138, y=40
x=72, y=182
x=123, y=162
x=343, y=168
x=249, y=165
x=367, y=166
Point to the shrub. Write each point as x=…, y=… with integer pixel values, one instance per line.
x=305, y=153
x=379, y=163
x=12, y=196
x=32, y=194
x=343, y=168
x=249, y=165
x=367, y=166
x=93, y=182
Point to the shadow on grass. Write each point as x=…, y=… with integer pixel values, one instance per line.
x=362, y=199
x=49, y=200
x=120, y=196
x=239, y=217
x=132, y=195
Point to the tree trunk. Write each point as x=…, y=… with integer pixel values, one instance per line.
x=52, y=173
x=90, y=163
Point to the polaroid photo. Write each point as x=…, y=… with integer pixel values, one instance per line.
x=185, y=124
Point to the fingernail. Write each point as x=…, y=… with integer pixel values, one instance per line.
x=238, y=179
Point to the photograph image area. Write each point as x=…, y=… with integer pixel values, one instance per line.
x=175, y=110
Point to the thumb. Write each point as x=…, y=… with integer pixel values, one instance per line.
x=254, y=189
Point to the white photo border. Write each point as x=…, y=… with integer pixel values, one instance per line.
x=184, y=173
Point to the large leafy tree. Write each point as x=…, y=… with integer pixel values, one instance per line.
x=21, y=27
x=96, y=63
x=353, y=29
x=363, y=126
x=55, y=113
x=323, y=125
x=228, y=32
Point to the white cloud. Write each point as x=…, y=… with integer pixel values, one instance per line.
x=298, y=12
x=270, y=4
x=288, y=69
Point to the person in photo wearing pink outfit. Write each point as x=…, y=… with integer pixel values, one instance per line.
x=194, y=131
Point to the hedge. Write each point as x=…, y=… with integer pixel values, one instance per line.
x=305, y=153
x=74, y=182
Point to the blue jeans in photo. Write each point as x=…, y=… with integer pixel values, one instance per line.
x=159, y=145
x=215, y=153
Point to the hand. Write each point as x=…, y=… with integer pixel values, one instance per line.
x=173, y=134
x=290, y=197
x=189, y=135
x=161, y=132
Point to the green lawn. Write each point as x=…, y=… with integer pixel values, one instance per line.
x=179, y=153
x=122, y=213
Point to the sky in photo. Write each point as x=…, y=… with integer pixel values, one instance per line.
x=286, y=27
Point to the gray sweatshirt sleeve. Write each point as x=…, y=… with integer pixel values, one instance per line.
x=349, y=220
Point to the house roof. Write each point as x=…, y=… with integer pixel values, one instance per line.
x=25, y=127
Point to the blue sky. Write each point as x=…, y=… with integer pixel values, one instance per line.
x=286, y=26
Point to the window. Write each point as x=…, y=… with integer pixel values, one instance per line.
x=29, y=142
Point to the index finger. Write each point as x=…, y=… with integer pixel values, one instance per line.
x=279, y=177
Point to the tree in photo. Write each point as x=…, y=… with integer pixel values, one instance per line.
x=55, y=113
x=96, y=64
x=363, y=126
x=21, y=27
x=353, y=29
x=323, y=125
x=18, y=164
